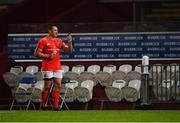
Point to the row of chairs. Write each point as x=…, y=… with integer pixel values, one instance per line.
x=121, y=90
x=32, y=69
x=27, y=92
x=109, y=77
x=16, y=72
x=83, y=82
x=26, y=85
x=119, y=84
x=13, y=76
x=166, y=86
x=96, y=68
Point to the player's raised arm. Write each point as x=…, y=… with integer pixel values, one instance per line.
x=68, y=47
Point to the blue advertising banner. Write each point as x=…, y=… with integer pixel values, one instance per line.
x=102, y=46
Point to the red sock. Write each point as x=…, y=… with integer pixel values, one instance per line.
x=44, y=95
x=56, y=98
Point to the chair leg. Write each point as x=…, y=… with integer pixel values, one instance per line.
x=30, y=99
x=12, y=104
x=66, y=105
x=28, y=104
x=63, y=100
x=102, y=105
x=86, y=106
x=50, y=90
x=33, y=106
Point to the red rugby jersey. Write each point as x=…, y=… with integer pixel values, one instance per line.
x=47, y=46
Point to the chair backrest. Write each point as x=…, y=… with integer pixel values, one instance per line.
x=21, y=89
x=84, y=92
x=72, y=84
x=39, y=85
x=133, y=75
x=10, y=79
x=78, y=69
x=39, y=75
x=65, y=68
x=135, y=84
x=65, y=79
x=16, y=69
x=24, y=86
x=36, y=91
x=87, y=76
x=72, y=75
x=28, y=80
x=119, y=83
x=137, y=68
x=94, y=69
x=125, y=68
x=89, y=84
x=109, y=68
x=32, y=69
x=118, y=75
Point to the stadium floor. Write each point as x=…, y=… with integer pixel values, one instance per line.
x=91, y=116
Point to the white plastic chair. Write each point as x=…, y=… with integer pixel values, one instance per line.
x=135, y=84
x=131, y=92
x=94, y=69
x=11, y=79
x=22, y=88
x=133, y=75
x=72, y=84
x=78, y=69
x=137, y=68
x=89, y=84
x=16, y=69
x=87, y=76
x=22, y=95
x=113, y=92
x=39, y=75
x=38, y=87
x=70, y=95
x=109, y=68
x=65, y=68
x=104, y=78
x=119, y=84
x=32, y=69
x=85, y=91
x=125, y=68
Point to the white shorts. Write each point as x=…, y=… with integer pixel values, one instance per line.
x=51, y=74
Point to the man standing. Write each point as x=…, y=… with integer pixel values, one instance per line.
x=48, y=49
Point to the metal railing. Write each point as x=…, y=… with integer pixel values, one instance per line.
x=161, y=84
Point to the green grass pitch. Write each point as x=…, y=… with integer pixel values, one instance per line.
x=91, y=116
